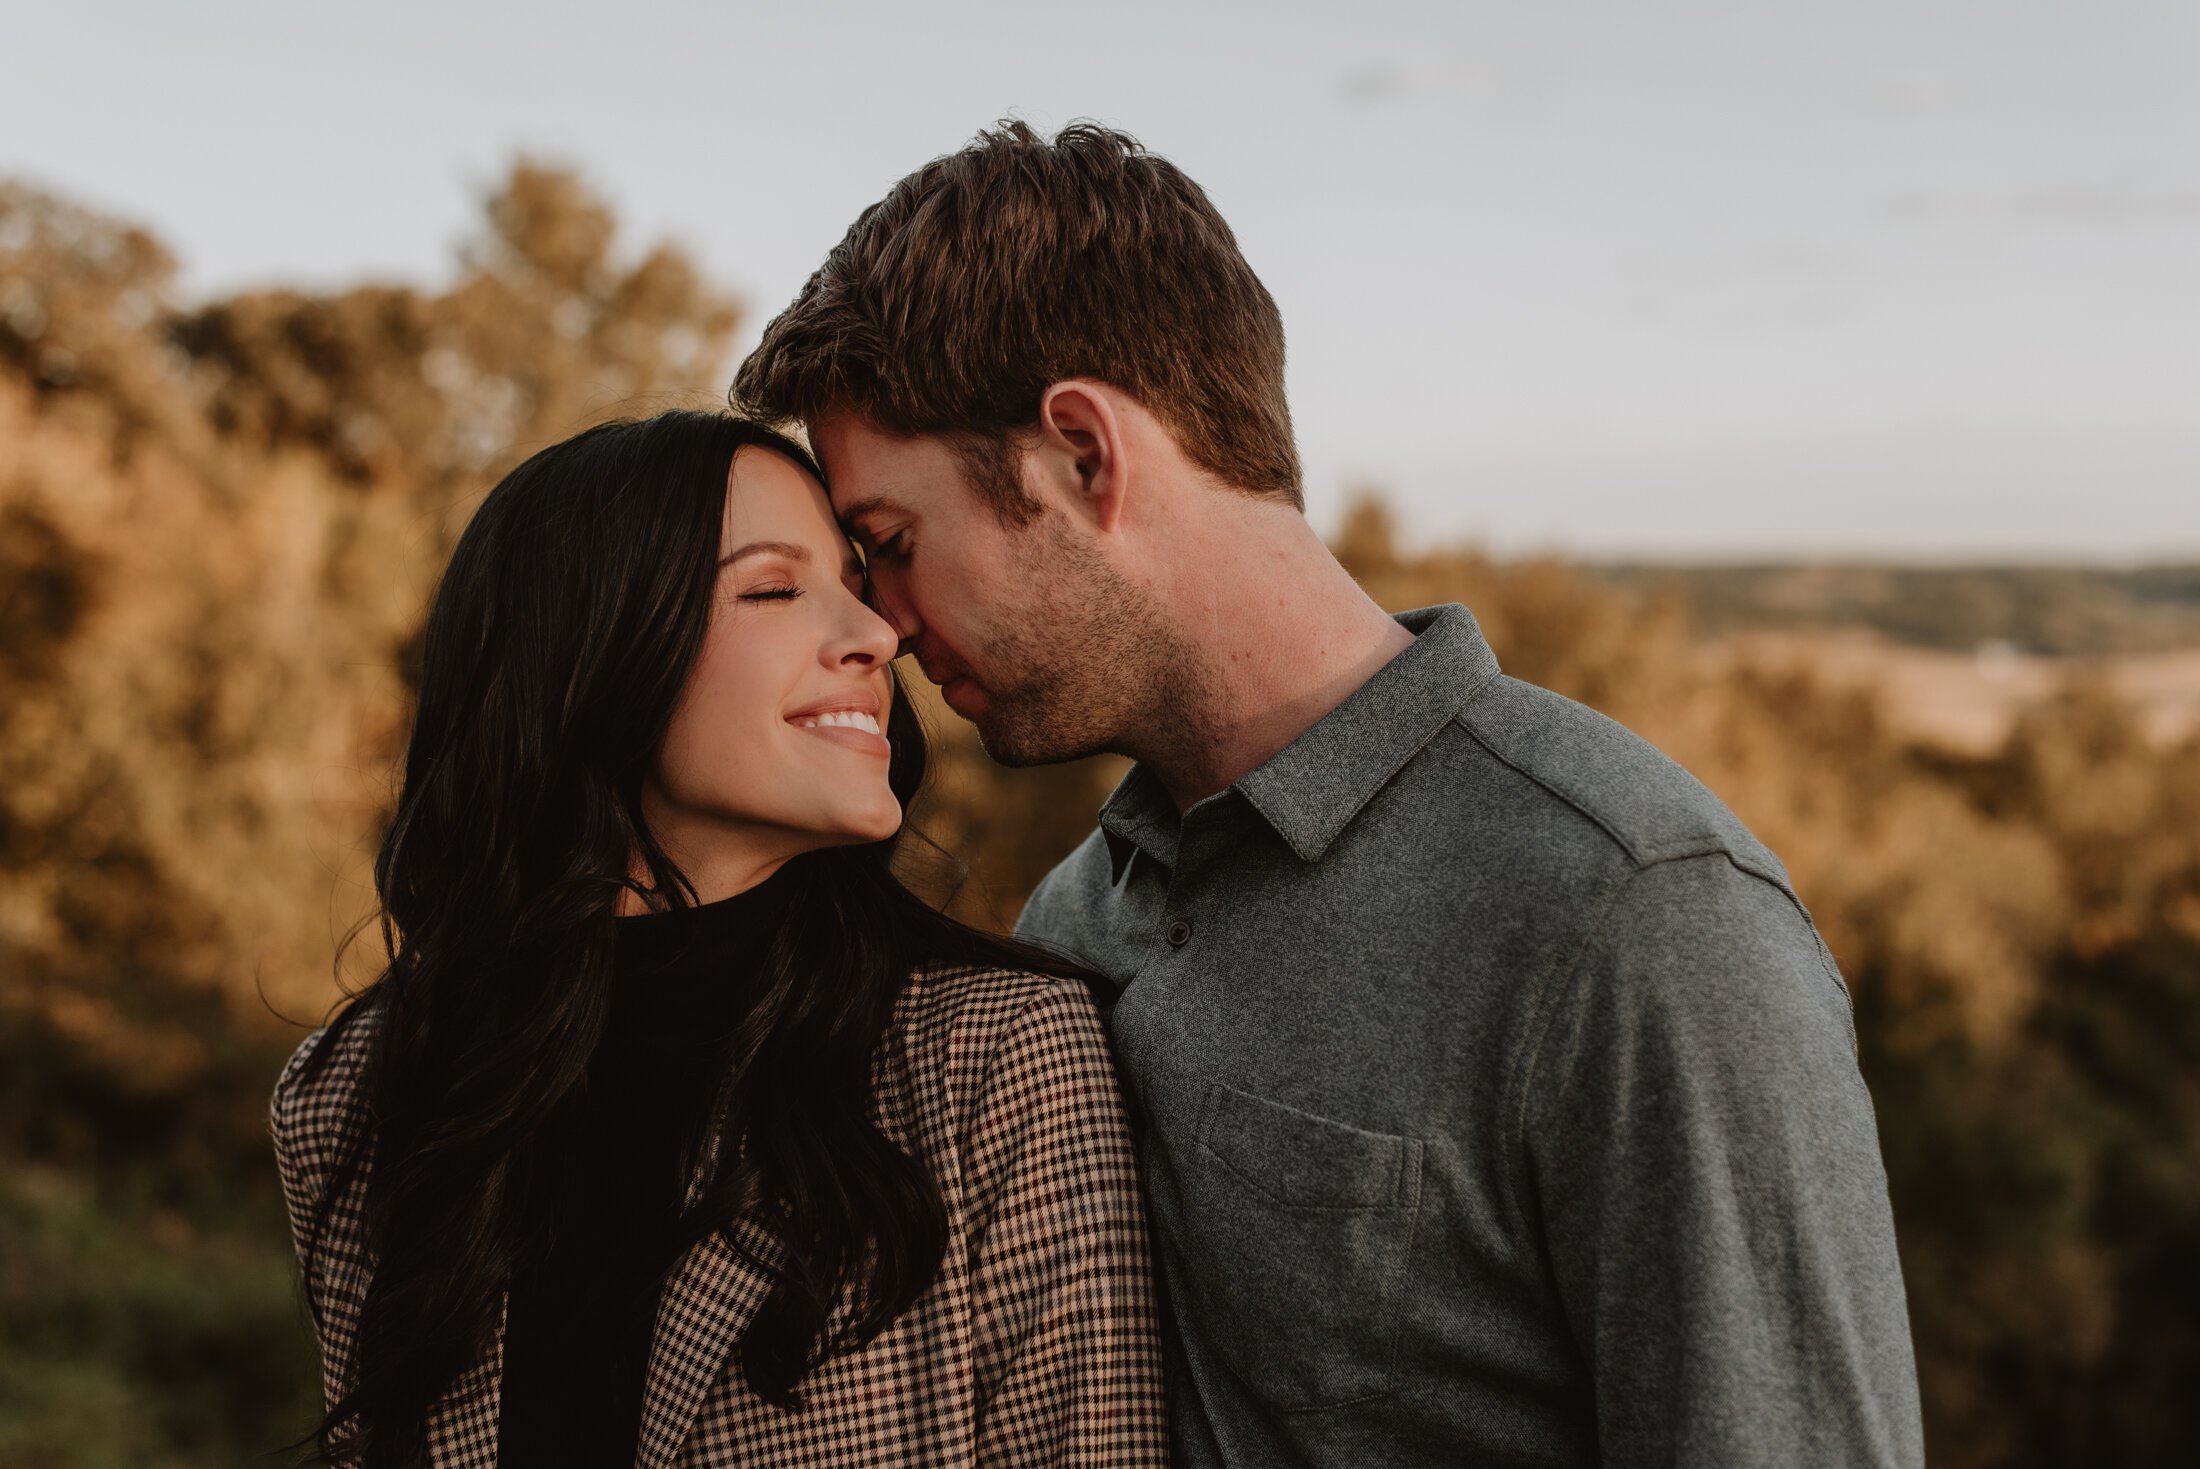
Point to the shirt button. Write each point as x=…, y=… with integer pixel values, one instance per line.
x=1180, y=934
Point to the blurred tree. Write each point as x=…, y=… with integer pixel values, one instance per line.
x=218, y=530
x=543, y=331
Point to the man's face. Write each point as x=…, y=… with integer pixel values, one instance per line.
x=1027, y=630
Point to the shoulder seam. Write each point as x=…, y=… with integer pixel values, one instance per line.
x=1052, y=988
x=1703, y=842
x=1045, y=987
x=1826, y=966
x=1546, y=1006
x=284, y=1097
x=1563, y=797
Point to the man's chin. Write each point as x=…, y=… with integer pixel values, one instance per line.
x=1014, y=756
x=1020, y=743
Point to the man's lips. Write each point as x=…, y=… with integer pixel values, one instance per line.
x=942, y=674
x=961, y=693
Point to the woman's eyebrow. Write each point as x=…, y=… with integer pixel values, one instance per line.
x=852, y=565
x=787, y=549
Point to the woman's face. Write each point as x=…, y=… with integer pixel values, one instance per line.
x=777, y=745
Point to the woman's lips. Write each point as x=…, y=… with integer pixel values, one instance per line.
x=853, y=730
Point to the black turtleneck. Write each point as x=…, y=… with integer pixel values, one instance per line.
x=611, y=1183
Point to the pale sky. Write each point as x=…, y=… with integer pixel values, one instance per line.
x=1909, y=278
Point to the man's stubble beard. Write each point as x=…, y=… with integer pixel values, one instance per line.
x=1088, y=666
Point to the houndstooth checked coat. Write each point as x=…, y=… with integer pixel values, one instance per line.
x=1036, y=1344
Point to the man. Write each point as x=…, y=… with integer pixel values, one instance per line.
x=1497, y=1099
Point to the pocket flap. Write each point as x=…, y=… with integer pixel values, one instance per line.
x=1302, y=1160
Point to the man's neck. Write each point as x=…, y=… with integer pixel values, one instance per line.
x=1279, y=635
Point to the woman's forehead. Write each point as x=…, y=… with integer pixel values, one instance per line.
x=770, y=498
x=765, y=487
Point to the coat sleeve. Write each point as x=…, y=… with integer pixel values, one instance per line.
x=311, y=1120
x=1066, y=1367
x=294, y=1160
x=1703, y=1158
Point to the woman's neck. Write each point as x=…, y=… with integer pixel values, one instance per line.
x=717, y=869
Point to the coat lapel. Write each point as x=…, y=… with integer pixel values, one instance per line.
x=462, y=1427
x=706, y=1306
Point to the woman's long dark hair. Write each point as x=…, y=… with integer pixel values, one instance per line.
x=559, y=642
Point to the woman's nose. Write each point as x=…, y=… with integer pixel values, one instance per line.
x=868, y=638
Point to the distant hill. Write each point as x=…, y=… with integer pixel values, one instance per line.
x=2051, y=610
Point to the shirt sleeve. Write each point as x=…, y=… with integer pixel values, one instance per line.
x=1703, y=1159
x=1066, y=1351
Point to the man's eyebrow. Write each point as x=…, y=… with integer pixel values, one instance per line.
x=787, y=549
x=870, y=505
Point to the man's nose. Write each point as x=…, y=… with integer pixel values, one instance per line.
x=889, y=601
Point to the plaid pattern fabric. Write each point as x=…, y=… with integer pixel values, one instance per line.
x=1036, y=1345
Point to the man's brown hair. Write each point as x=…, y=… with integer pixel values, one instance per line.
x=990, y=274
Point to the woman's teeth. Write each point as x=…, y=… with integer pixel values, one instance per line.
x=846, y=719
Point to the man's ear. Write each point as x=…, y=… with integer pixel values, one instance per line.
x=1081, y=433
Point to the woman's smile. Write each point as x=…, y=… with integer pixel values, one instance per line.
x=855, y=729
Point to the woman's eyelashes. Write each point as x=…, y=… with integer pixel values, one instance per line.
x=784, y=585
x=855, y=586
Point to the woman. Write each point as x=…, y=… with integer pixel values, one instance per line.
x=678, y=1131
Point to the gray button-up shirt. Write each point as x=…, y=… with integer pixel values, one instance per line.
x=1497, y=1100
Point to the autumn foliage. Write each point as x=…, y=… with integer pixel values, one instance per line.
x=219, y=523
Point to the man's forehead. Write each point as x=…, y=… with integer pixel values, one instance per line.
x=868, y=472
x=848, y=434
x=843, y=434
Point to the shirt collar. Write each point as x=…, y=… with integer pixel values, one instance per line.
x=1312, y=788
x=1139, y=816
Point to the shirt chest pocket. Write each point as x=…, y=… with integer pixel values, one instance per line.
x=1296, y=1237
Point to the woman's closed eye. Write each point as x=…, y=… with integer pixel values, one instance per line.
x=771, y=594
